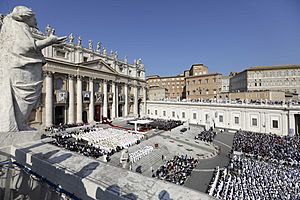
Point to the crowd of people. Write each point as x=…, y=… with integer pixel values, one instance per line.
x=68, y=142
x=137, y=155
x=176, y=170
x=249, y=178
x=96, y=142
x=109, y=139
x=61, y=127
x=206, y=136
x=163, y=124
x=233, y=101
x=268, y=146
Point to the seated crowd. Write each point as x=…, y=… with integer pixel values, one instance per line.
x=68, y=142
x=176, y=170
x=248, y=178
x=206, y=136
x=109, y=139
x=269, y=146
x=96, y=142
x=137, y=155
x=61, y=127
x=163, y=124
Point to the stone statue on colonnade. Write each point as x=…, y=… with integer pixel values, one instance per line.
x=21, y=62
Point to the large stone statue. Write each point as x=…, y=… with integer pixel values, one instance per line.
x=71, y=39
x=21, y=63
x=79, y=42
x=98, y=48
x=90, y=45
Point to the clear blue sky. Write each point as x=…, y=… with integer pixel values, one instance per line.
x=171, y=35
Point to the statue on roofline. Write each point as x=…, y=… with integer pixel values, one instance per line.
x=79, y=42
x=21, y=62
x=98, y=48
x=71, y=39
x=90, y=44
x=112, y=54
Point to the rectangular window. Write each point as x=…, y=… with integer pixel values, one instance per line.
x=164, y=113
x=173, y=113
x=194, y=115
x=254, y=122
x=148, y=111
x=206, y=118
x=236, y=120
x=221, y=118
x=183, y=114
x=155, y=112
x=275, y=124
x=61, y=54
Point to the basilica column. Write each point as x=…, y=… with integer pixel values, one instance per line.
x=145, y=100
x=79, y=100
x=71, y=110
x=91, y=106
x=105, y=98
x=126, y=100
x=49, y=99
x=113, y=106
x=117, y=100
x=135, y=105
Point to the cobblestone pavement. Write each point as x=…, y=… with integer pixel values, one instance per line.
x=202, y=175
x=174, y=142
x=170, y=143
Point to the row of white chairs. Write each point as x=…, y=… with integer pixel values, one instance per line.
x=135, y=156
x=109, y=139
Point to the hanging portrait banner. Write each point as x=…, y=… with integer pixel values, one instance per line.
x=61, y=96
x=86, y=95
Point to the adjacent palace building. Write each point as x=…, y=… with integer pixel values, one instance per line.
x=256, y=83
x=82, y=85
x=261, y=99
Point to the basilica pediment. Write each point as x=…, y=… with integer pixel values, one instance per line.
x=99, y=65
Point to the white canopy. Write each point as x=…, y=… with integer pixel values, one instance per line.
x=141, y=121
